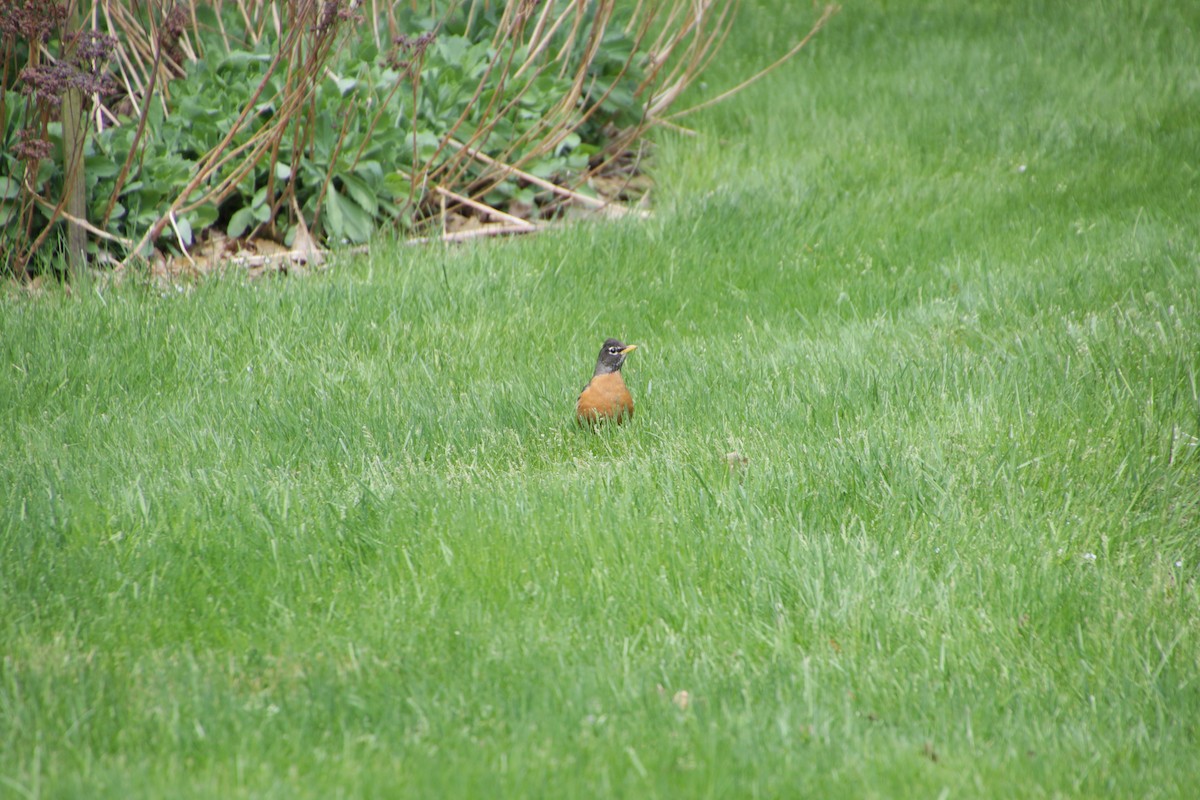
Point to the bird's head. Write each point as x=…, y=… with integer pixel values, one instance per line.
x=612, y=356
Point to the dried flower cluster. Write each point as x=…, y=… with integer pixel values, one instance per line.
x=409, y=51
x=172, y=31
x=31, y=19
x=30, y=147
x=93, y=49
x=48, y=82
x=84, y=69
x=334, y=12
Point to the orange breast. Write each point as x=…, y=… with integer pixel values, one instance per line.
x=605, y=397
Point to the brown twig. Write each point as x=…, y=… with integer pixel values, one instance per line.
x=83, y=223
x=483, y=208
x=133, y=147
x=476, y=233
x=213, y=159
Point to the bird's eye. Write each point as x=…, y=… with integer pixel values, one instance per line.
x=614, y=350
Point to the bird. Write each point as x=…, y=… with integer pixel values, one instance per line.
x=606, y=396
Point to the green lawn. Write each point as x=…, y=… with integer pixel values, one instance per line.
x=938, y=281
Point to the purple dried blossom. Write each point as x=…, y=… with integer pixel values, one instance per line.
x=93, y=49
x=176, y=22
x=333, y=12
x=30, y=147
x=409, y=51
x=172, y=30
x=31, y=19
x=47, y=81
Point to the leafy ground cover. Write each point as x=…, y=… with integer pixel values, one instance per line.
x=938, y=287
x=152, y=130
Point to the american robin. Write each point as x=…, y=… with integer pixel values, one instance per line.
x=606, y=396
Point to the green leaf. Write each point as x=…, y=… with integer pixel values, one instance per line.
x=345, y=85
x=203, y=217
x=239, y=223
x=240, y=58
x=452, y=49
x=369, y=170
x=398, y=184
x=10, y=187
x=569, y=142
x=47, y=169
x=154, y=116
x=335, y=217
x=261, y=212
x=346, y=219
x=359, y=223
x=361, y=193
x=100, y=167
x=545, y=168
x=261, y=209
x=366, y=52
x=184, y=229
x=427, y=144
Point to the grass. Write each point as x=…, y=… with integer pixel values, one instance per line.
x=939, y=284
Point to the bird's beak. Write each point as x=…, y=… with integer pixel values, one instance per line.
x=629, y=348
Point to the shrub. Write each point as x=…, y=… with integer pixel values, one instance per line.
x=326, y=119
